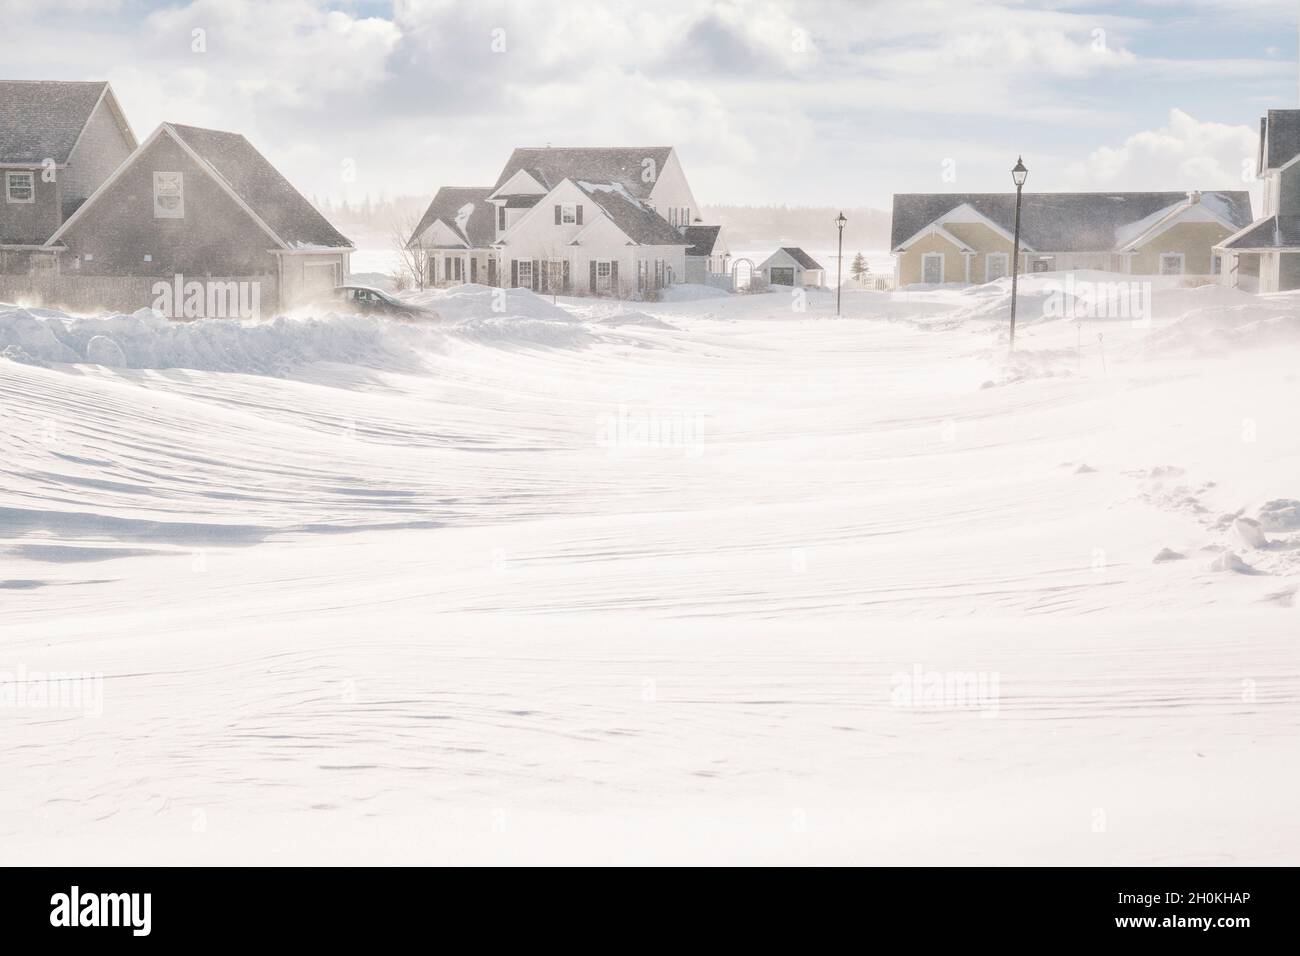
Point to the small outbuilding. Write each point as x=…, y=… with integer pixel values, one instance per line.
x=791, y=266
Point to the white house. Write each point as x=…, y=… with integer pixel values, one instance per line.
x=605, y=221
x=708, y=257
x=790, y=265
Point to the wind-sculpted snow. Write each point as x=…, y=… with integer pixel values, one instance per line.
x=279, y=346
x=657, y=591
x=148, y=340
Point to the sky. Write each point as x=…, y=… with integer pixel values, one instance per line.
x=796, y=102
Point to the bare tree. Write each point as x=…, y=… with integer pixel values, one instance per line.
x=412, y=271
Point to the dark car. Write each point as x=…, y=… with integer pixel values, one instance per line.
x=366, y=300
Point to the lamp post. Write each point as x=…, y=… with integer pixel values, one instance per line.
x=839, y=264
x=1019, y=173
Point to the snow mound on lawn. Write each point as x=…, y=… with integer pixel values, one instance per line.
x=690, y=291
x=491, y=316
x=148, y=340
x=472, y=301
x=1265, y=321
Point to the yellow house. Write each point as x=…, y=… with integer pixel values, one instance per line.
x=966, y=238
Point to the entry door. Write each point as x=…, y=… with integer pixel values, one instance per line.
x=932, y=268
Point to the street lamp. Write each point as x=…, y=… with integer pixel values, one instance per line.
x=1018, y=176
x=839, y=265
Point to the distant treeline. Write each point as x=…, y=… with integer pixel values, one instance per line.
x=810, y=226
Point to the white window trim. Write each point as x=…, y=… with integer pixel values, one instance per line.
x=158, y=211
x=13, y=174
x=926, y=257
x=1004, y=258
x=525, y=264
x=1182, y=263
x=569, y=214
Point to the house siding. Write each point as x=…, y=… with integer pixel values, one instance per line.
x=100, y=150
x=1192, y=239
x=910, y=262
x=216, y=237
x=34, y=222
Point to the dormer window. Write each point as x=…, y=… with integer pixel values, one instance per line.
x=569, y=213
x=20, y=187
x=168, y=196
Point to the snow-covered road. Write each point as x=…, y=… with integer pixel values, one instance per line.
x=656, y=588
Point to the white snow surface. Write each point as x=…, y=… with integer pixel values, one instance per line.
x=590, y=582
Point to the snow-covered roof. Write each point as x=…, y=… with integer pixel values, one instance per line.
x=1059, y=222
x=465, y=211
x=800, y=258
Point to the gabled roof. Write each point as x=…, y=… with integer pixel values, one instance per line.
x=261, y=187
x=702, y=239
x=625, y=165
x=804, y=260
x=43, y=119
x=1057, y=222
x=1279, y=138
x=465, y=211
x=639, y=222
x=246, y=175
x=1271, y=232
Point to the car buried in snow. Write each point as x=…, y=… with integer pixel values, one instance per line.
x=367, y=300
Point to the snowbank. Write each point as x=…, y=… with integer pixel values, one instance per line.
x=1265, y=321
x=147, y=339
x=471, y=301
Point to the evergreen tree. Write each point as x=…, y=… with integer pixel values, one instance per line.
x=859, y=267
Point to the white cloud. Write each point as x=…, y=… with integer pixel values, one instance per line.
x=1185, y=153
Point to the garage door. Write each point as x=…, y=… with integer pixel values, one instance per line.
x=782, y=276
x=320, y=277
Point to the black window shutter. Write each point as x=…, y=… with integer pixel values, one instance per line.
x=566, y=272
x=613, y=277
x=557, y=214
x=514, y=273
x=502, y=218
x=593, y=276
x=537, y=268
x=580, y=214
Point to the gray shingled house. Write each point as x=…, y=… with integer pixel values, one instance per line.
x=58, y=142
x=1265, y=256
x=204, y=205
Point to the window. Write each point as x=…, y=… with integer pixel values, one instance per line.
x=602, y=276
x=995, y=266
x=526, y=273
x=1216, y=264
x=1171, y=263
x=20, y=187
x=569, y=214
x=932, y=267
x=501, y=218
x=168, y=196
